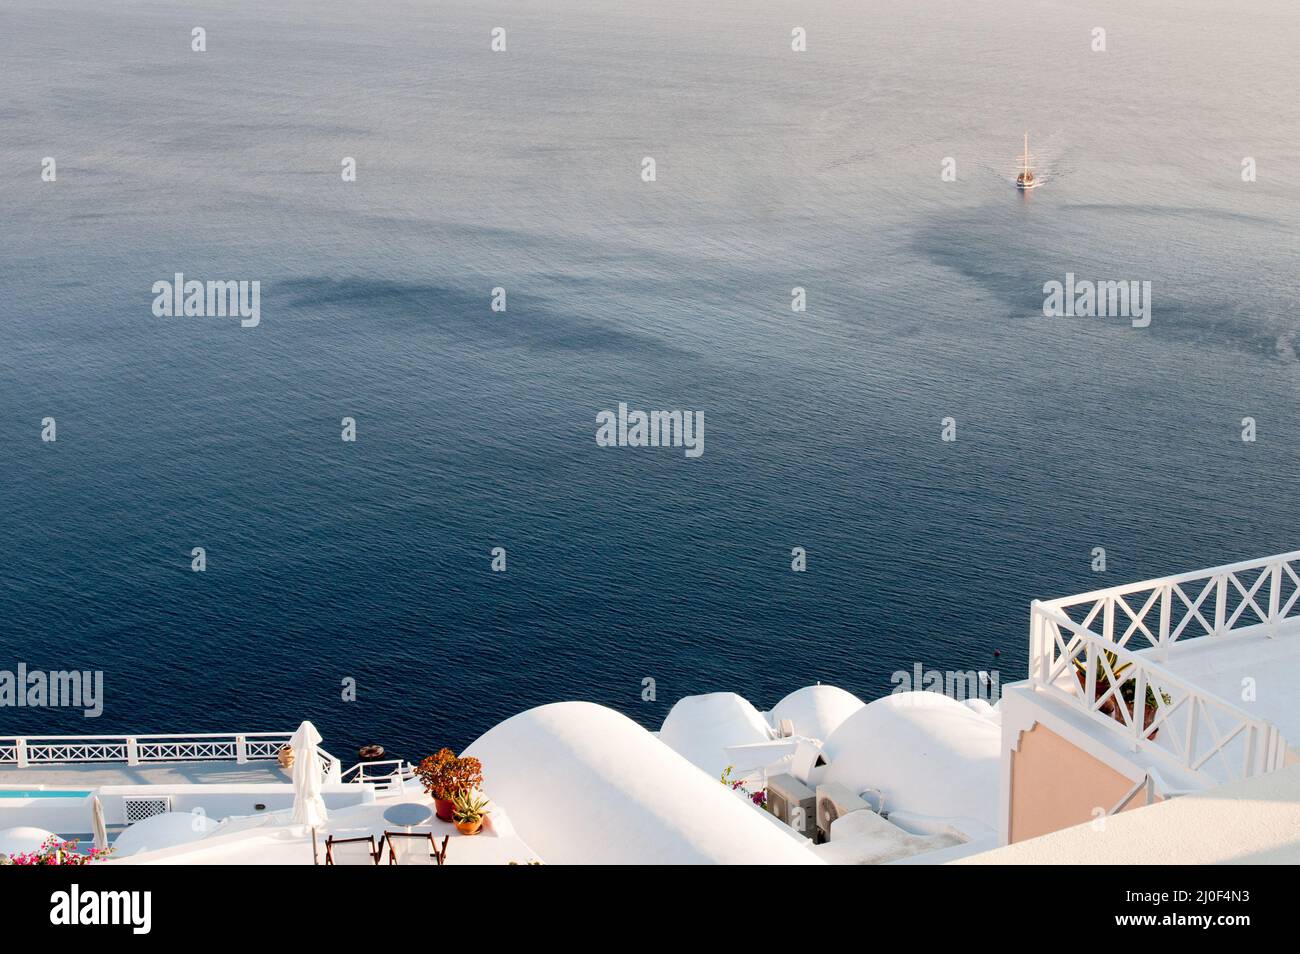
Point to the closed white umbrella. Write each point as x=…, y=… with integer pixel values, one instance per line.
x=308, y=806
x=97, y=823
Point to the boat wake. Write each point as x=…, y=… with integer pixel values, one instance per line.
x=1049, y=162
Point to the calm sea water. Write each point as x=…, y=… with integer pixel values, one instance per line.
x=371, y=560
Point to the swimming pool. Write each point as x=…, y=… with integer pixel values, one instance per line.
x=40, y=793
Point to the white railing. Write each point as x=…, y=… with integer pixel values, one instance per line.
x=382, y=774
x=1083, y=649
x=25, y=751
x=1151, y=784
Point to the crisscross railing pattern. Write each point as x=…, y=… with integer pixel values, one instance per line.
x=24, y=751
x=383, y=774
x=1083, y=649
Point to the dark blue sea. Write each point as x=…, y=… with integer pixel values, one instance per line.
x=475, y=429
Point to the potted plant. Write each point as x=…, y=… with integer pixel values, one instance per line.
x=468, y=812
x=444, y=775
x=1103, y=680
x=1128, y=692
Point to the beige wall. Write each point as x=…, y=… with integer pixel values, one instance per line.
x=1055, y=785
x=1254, y=821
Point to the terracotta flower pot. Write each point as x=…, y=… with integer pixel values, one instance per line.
x=1148, y=716
x=1107, y=707
x=1110, y=708
x=444, y=808
x=469, y=828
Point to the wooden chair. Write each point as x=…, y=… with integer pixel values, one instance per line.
x=414, y=848
x=351, y=851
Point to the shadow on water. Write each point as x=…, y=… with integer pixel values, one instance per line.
x=530, y=322
x=1011, y=251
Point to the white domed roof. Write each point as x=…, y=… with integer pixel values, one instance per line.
x=929, y=754
x=584, y=784
x=816, y=711
x=24, y=838
x=162, y=831
x=701, y=727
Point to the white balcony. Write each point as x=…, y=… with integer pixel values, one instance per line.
x=22, y=757
x=1214, y=654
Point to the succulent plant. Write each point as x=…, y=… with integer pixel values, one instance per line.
x=1112, y=662
x=468, y=807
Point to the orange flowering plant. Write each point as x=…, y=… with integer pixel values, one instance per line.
x=444, y=774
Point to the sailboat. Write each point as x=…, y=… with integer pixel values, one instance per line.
x=1025, y=180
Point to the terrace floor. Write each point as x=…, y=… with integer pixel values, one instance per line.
x=1222, y=665
x=274, y=841
x=95, y=774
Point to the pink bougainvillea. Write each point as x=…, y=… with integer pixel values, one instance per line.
x=57, y=852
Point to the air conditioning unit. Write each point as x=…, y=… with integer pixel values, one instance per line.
x=793, y=802
x=138, y=809
x=835, y=801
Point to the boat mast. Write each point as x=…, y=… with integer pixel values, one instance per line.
x=1026, y=156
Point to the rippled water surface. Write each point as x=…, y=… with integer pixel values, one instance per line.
x=521, y=170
